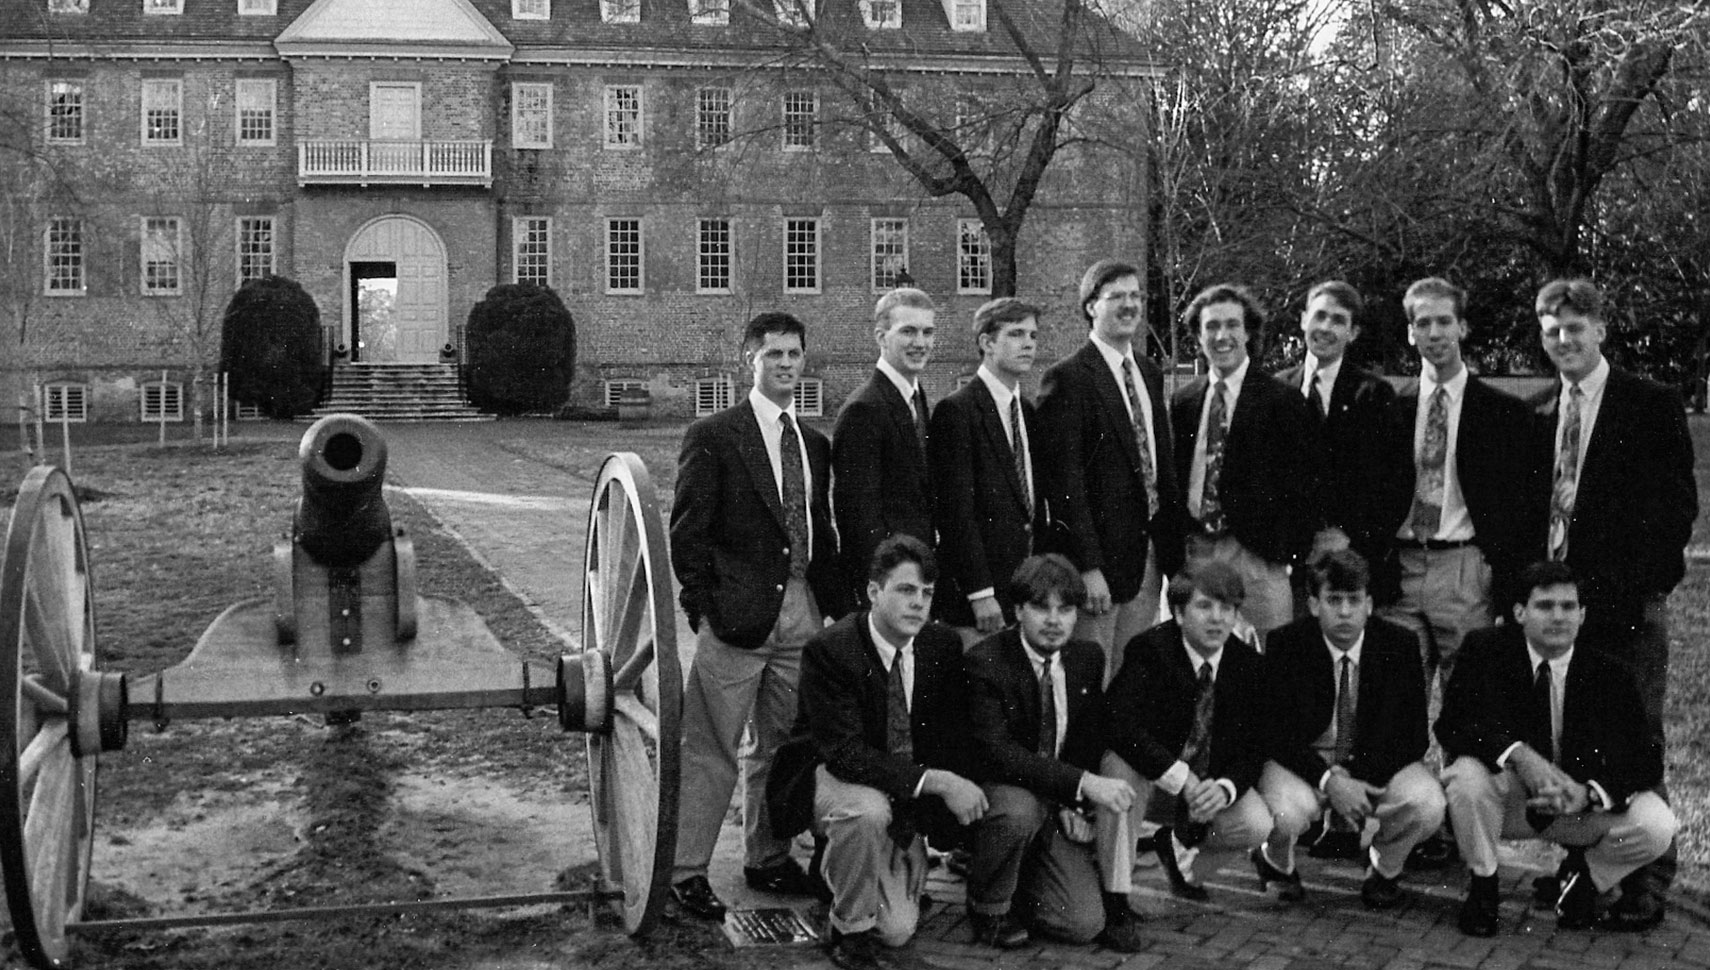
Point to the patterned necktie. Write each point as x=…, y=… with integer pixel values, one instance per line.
x=1197, y=751
x=795, y=496
x=1216, y=432
x=1148, y=469
x=1048, y=711
x=1344, y=712
x=918, y=407
x=1540, y=734
x=1018, y=448
x=899, y=733
x=1433, y=455
x=1567, y=474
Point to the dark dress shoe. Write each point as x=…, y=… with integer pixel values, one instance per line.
x=784, y=879
x=695, y=896
x=1436, y=852
x=1634, y=912
x=1292, y=890
x=1576, y=909
x=1163, y=843
x=1000, y=931
x=1479, y=910
x=1121, y=926
x=1380, y=891
x=1547, y=889
x=856, y=951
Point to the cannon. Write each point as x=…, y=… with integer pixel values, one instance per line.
x=345, y=630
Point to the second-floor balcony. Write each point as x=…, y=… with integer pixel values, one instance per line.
x=362, y=162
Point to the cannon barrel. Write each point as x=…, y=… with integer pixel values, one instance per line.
x=342, y=517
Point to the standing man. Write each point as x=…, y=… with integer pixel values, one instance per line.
x=1622, y=499
x=1246, y=446
x=1038, y=736
x=1545, y=736
x=884, y=727
x=989, y=508
x=882, y=485
x=1106, y=466
x=753, y=548
x=1458, y=505
x=1348, y=732
x=1349, y=402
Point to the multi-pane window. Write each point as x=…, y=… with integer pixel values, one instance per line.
x=712, y=117
x=973, y=125
x=161, y=401
x=65, y=111
x=616, y=390
x=623, y=116
x=258, y=8
x=163, y=6
x=162, y=106
x=531, y=9
x=256, y=100
x=967, y=14
x=712, y=394
x=68, y=6
x=810, y=397
x=801, y=111
x=881, y=122
x=890, y=252
x=531, y=115
x=66, y=401
x=620, y=11
x=161, y=239
x=531, y=249
x=712, y=256
x=793, y=13
x=623, y=256
x=254, y=248
x=801, y=255
x=711, y=13
x=62, y=258
x=973, y=257
x=882, y=13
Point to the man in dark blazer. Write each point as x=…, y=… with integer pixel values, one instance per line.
x=1622, y=497
x=1105, y=463
x=1250, y=455
x=1458, y=515
x=1347, y=732
x=879, y=755
x=755, y=556
x=1545, y=737
x=1038, y=737
x=882, y=485
x=1350, y=402
x=1185, y=716
x=988, y=504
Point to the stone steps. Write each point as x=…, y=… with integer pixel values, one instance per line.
x=397, y=392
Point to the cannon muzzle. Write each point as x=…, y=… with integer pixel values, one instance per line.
x=342, y=517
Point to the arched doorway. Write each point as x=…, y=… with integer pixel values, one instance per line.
x=395, y=291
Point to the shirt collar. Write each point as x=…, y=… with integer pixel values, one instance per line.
x=1000, y=393
x=1353, y=652
x=1195, y=658
x=766, y=411
x=1558, y=666
x=1593, y=383
x=1326, y=372
x=1111, y=355
x=1428, y=383
x=887, y=650
x=1034, y=656
x=904, y=385
x=1233, y=381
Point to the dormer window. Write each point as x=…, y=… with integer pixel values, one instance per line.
x=710, y=13
x=68, y=6
x=620, y=11
x=969, y=15
x=531, y=9
x=882, y=14
x=794, y=13
x=163, y=6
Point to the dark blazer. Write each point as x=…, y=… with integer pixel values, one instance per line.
x=983, y=525
x=1271, y=459
x=1006, y=710
x=1351, y=432
x=1498, y=480
x=1637, y=494
x=1603, y=739
x=1088, y=464
x=1390, y=717
x=841, y=723
x=883, y=485
x=729, y=545
x=1149, y=707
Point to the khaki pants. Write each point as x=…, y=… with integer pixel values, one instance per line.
x=1410, y=808
x=875, y=883
x=1242, y=826
x=1124, y=621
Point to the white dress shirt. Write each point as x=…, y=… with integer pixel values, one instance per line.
x=1590, y=403
x=1232, y=384
x=1001, y=396
x=1113, y=359
x=767, y=415
x=1455, y=525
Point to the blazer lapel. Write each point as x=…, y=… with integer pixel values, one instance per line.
x=1115, y=401
x=1021, y=668
x=997, y=440
x=753, y=449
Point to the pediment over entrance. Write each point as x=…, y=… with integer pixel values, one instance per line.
x=393, y=28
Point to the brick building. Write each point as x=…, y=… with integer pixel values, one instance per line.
x=670, y=167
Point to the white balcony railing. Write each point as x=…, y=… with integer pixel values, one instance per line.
x=391, y=162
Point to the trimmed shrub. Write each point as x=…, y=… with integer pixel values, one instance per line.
x=270, y=344
x=522, y=350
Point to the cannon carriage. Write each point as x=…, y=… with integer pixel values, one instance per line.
x=344, y=630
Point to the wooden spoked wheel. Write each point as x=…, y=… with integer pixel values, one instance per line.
x=629, y=618
x=47, y=655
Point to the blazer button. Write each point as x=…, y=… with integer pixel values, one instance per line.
x=786, y=551
x=780, y=587
x=1027, y=527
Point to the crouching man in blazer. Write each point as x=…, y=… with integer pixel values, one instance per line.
x=1037, y=740
x=1545, y=736
x=877, y=758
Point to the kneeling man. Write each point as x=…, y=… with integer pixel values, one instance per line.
x=1348, y=732
x=1037, y=714
x=1546, y=737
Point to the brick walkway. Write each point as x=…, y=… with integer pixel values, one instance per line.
x=448, y=468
